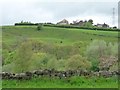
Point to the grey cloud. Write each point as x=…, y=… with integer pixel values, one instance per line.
x=70, y=9
x=54, y=11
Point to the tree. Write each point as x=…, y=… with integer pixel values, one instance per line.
x=39, y=27
x=88, y=24
x=96, y=49
x=23, y=57
x=91, y=21
x=101, y=54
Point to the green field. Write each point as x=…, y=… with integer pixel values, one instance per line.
x=54, y=34
x=74, y=82
x=58, y=46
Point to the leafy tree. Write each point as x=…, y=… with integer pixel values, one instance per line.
x=96, y=49
x=102, y=55
x=91, y=21
x=88, y=24
x=39, y=27
x=23, y=57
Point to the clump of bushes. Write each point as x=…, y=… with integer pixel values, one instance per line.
x=101, y=54
x=77, y=62
x=32, y=55
x=39, y=61
x=24, y=54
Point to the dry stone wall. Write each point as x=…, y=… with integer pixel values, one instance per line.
x=54, y=73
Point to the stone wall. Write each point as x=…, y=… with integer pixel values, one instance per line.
x=54, y=73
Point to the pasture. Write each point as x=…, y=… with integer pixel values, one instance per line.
x=73, y=82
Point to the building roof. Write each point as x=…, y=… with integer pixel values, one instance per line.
x=64, y=21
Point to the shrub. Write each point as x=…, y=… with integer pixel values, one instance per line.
x=39, y=27
x=39, y=61
x=65, y=51
x=102, y=55
x=96, y=49
x=8, y=57
x=23, y=57
x=115, y=49
x=52, y=63
x=77, y=62
x=8, y=68
x=61, y=64
x=95, y=65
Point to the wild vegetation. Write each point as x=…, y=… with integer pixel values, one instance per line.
x=26, y=49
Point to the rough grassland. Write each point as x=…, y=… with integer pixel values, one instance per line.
x=12, y=34
x=55, y=35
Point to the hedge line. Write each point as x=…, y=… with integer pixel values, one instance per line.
x=68, y=26
x=26, y=24
x=78, y=27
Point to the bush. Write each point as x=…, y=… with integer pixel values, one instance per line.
x=39, y=61
x=39, y=27
x=96, y=49
x=52, y=63
x=102, y=55
x=8, y=68
x=24, y=54
x=77, y=62
x=95, y=65
x=65, y=51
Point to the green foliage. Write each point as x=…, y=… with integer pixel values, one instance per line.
x=99, y=48
x=39, y=61
x=91, y=21
x=65, y=51
x=52, y=63
x=23, y=57
x=95, y=65
x=46, y=51
x=24, y=23
x=9, y=67
x=112, y=49
x=47, y=44
x=96, y=49
x=88, y=24
x=8, y=57
x=115, y=49
x=39, y=27
x=77, y=62
x=102, y=55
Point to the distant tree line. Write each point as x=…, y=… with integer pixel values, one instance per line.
x=85, y=25
x=82, y=27
x=26, y=23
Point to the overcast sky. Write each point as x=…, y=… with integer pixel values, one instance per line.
x=53, y=11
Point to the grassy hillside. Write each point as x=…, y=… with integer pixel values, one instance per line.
x=25, y=48
x=55, y=35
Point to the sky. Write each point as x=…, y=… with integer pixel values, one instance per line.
x=101, y=11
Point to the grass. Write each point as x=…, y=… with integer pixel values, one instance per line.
x=54, y=35
x=73, y=82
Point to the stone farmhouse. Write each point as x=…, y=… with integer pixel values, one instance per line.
x=63, y=22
